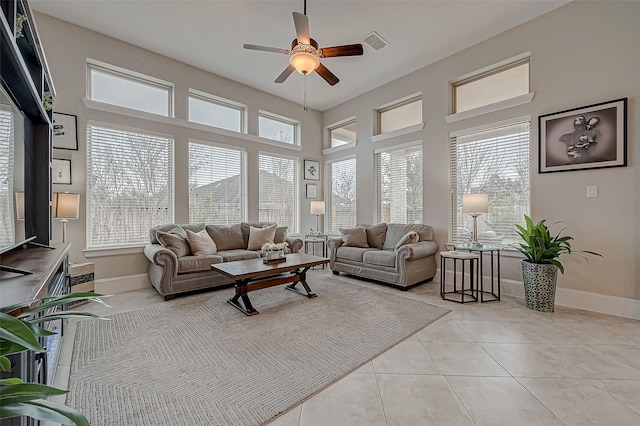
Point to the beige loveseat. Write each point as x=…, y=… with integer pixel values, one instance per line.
x=171, y=274
x=384, y=254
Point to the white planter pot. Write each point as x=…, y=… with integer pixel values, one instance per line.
x=540, y=281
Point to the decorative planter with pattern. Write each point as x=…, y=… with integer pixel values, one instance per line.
x=539, y=285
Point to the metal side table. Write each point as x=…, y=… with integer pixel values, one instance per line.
x=471, y=293
x=313, y=241
x=494, y=293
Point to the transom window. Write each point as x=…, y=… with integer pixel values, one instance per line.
x=278, y=186
x=343, y=134
x=7, y=230
x=118, y=86
x=493, y=161
x=400, y=115
x=217, y=184
x=129, y=185
x=278, y=128
x=501, y=83
x=341, y=205
x=214, y=111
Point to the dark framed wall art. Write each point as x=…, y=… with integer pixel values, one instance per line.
x=61, y=171
x=311, y=170
x=589, y=137
x=65, y=131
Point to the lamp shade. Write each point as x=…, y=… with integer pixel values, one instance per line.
x=304, y=62
x=66, y=205
x=317, y=207
x=475, y=203
x=20, y=205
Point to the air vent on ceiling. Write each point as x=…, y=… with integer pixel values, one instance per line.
x=375, y=40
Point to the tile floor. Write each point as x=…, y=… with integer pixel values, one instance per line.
x=491, y=364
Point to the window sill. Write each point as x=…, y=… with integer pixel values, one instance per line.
x=508, y=103
x=112, y=251
x=340, y=148
x=399, y=132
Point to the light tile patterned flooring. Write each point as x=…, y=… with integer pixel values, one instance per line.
x=489, y=364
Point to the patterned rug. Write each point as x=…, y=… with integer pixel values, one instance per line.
x=197, y=360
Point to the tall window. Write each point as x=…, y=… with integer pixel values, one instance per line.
x=117, y=86
x=7, y=231
x=278, y=128
x=399, y=185
x=217, y=184
x=278, y=186
x=498, y=84
x=129, y=185
x=400, y=115
x=343, y=134
x=213, y=111
x=341, y=205
x=495, y=162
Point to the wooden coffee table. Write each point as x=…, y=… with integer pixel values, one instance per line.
x=253, y=274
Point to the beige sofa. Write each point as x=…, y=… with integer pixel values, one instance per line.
x=385, y=258
x=171, y=275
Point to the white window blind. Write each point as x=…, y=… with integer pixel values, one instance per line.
x=341, y=205
x=217, y=184
x=278, y=185
x=494, y=162
x=7, y=230
x=129, y=186
x=399, y=185
x=215, y=112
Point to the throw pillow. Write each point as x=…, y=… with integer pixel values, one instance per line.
x=227, y=237
x=174, y=241
x=259, y=236
x=201, y=243
x=281, y=234
x=376, y=235
x=409, y=238
x=354, y=237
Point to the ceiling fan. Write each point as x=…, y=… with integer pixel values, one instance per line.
x=305, y=54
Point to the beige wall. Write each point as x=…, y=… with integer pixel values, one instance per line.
x=67, y=46
x=582, y=53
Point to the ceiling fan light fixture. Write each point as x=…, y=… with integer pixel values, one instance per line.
x=304, y=62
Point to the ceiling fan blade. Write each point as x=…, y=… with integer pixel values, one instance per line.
x=327, y=75
x=265, y=48
x=302, y=27
x=346, y=50
x=285, y=74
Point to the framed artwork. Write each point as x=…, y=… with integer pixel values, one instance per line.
x=312, y=190
x=65, y=131
x=311, y=170
x=590, y=137
x=61, y=171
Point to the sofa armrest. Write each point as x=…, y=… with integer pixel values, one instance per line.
x=159, y=255
x=418, y=250
x=295, y=244
x=332, y=247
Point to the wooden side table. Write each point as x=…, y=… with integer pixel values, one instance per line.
x=82, y=279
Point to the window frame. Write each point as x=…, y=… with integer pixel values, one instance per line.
x=297, y=170
x=339, y=125
x=297, y=127
x=395, y=105
x=219, y=101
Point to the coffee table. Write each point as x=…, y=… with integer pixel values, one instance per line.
x=253, y=274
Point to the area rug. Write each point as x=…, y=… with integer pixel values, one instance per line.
x=197, y=360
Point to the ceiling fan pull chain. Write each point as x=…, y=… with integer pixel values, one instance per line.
x=305, y=94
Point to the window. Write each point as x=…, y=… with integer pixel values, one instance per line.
x=505, y=82
x=278, y=186
x=129, y=89
x=213, y=111
x=129, y=186
x=399, y=116
x=399, y=185
x=494, y=162
x=217, y=184
x=341, y=205
x=7, y=230
x=344, y=134
x=277, y=128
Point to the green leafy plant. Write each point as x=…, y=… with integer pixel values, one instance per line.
x=540, y=247
x=21, y=333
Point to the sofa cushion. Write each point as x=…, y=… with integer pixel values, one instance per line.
x=238, y=254
x=226, y=237
x=395, y=231
x=260, y=236
x=380, y=257
x=195, y=227
x=376, y=234
x=352, y=253
x=175, y=240
x=201, y=243
x=281, y=234
x=197, y=263
x=354, y=237
x=246, y=226
x=410, y=237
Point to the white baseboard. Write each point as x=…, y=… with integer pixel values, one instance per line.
x=122, y=284
x=595, y=302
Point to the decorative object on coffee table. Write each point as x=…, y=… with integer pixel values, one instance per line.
x=274, y=252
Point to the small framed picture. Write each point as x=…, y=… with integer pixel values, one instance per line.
x=61, y=171
x=312, y=190
x=65, y=134
x=311, y=170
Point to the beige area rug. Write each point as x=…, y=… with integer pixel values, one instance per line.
x=197, y=360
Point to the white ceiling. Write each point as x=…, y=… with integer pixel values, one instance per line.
x=210, y=34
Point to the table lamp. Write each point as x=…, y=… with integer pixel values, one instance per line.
x=317, y=208
x=65, y=206
x=474, y=205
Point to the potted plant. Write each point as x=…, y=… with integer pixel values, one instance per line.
x=20, y=332
x=540, y=268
